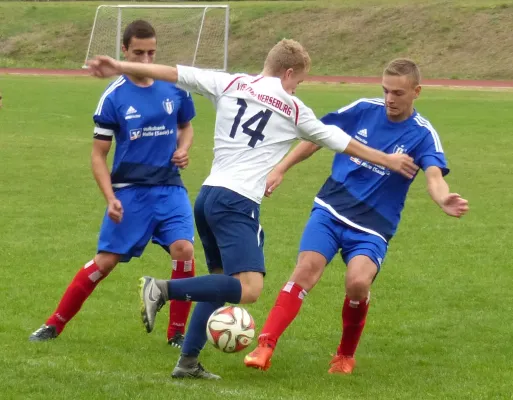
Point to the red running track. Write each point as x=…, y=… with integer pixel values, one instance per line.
x=324, y=79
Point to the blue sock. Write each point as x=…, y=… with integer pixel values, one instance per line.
x=196, y=335
x=216, y=288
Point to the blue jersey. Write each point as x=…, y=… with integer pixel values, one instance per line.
x=144, y=121
x=370, y=197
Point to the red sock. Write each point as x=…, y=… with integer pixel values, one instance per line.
x=179, y=310
x=354, y=314
x=77, y=292
x=285, y=310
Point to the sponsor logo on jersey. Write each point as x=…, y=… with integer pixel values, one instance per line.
x=153, y=131
x=356, y=160
x=378, y=169
x=150, y=131
x=135, y=134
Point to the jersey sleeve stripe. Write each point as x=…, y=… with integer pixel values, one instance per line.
x=256, y=80
x=297, y=112
x=378, y=102
x=232, y=82
x=117, y=83
x=434, y=134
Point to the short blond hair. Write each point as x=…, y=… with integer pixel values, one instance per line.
x=403, y=67
x=285, y=54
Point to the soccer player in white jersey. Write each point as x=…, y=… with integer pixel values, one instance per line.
x=144, y=193
x=358, y=208
x=257, y=120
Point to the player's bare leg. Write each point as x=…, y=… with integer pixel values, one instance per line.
x=252, y=284
x=307, y=273
x=361, y=271
x=182, y=255
x=80, y=288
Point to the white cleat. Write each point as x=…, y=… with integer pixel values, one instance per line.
x=151, y=301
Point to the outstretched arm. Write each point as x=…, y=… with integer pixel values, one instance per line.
x=336, y=139
x=339, y=141
x=451, y=203
x=106, y=67
x=210, y=84
x=401, y=163
x=300, y=153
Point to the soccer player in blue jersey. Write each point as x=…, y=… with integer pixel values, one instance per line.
x=151, y=123
x=358, y=208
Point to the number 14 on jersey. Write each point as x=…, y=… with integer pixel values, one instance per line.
x=261, y=118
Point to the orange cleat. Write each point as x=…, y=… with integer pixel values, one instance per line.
x=260, y=358
x=342, y=365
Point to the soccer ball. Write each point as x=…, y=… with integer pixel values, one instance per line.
x=230, y=329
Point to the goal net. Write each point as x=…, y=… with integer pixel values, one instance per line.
x=194, y=35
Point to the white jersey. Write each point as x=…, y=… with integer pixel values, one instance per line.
x=256, y=124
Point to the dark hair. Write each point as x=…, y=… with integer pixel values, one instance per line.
x=139, y=29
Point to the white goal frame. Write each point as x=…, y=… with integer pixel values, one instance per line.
x=205, y=8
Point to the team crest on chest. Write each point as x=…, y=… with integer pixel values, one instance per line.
x=168, y=106
x=400, y=149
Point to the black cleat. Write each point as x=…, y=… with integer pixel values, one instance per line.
x=43, y=334
x=195, y=371
x=177, y=340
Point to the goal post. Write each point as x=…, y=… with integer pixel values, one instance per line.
x=195, y=35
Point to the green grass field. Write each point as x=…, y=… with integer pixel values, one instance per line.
x=440, y=322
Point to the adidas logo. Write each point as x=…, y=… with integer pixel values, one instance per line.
x=131, y=110
x=131, y=113
x=362, y=132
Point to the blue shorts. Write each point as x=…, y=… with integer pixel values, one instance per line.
x=163, y=212
x=326, y=235
x=229, y=228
